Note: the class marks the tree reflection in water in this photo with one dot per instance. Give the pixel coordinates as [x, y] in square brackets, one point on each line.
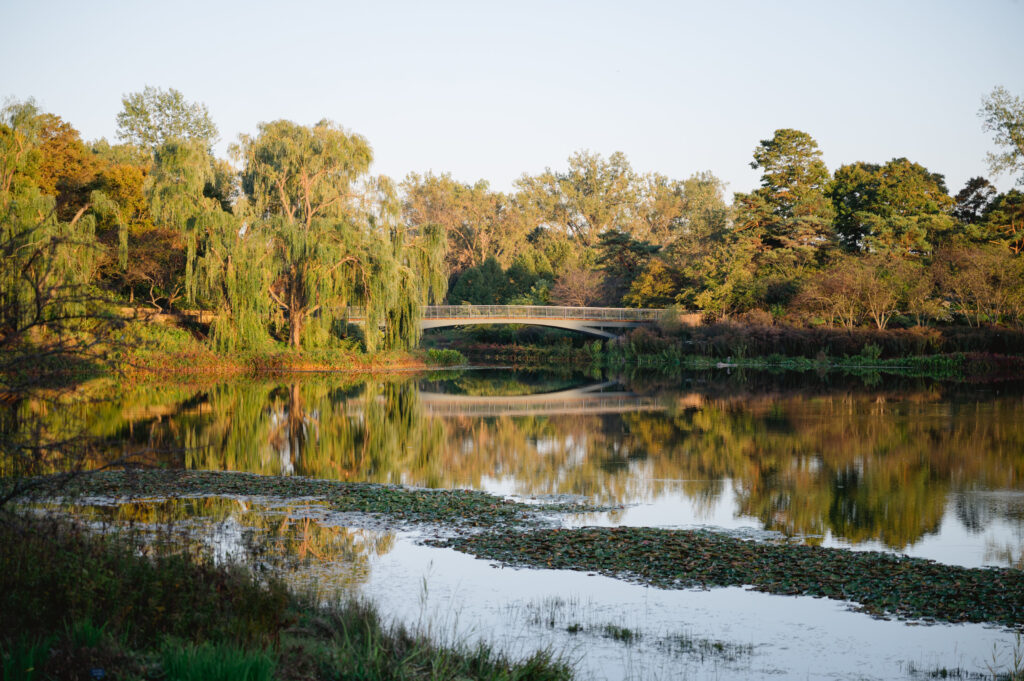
[292, 539]
[866, 465]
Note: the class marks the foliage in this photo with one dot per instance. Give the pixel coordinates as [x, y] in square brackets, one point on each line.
[485, 284]
[329, 249]
[154, 117]
[622, 258]
[1003, 115]
[899, 207]
[1005, 221]
[445, 357]
[593, 196]
[578, 288]
[790, 209]
[972, 202]
[181, 616]
[48, 308]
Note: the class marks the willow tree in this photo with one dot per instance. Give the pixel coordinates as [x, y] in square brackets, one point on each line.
[46, 264]
[332, 234]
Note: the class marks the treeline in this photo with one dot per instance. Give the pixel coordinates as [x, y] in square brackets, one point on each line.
[869, 245]
[279, 244]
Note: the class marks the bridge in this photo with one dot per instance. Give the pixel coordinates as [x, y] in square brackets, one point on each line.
[592, 320]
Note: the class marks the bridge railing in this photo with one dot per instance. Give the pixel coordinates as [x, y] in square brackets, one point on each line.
[619, 314]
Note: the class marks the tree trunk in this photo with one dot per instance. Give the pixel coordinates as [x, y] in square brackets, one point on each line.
[295, 328]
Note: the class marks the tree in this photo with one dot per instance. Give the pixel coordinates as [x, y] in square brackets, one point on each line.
[335, 243]
[593, 196]
[655, 286]
[47, 308]
[898, 207]
[480, 223]
[485, 284]
[1004, 221]
[154, 116]
[68, 170]
[972, 202]
[793, 184]
[1003, 115]
[984, 283]
[577, 287]
[622, 258]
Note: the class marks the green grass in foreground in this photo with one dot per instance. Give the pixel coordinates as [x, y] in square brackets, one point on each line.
[72, 601]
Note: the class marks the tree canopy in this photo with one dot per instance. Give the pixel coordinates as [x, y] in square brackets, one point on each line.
[155, 116]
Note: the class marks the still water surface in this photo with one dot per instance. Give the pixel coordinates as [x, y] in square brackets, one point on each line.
[917, 467]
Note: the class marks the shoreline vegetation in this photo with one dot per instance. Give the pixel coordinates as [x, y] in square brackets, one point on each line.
[881, 584]
[76, 604]
[172, 353]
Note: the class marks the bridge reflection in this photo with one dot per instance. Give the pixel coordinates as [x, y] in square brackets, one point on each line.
[597, 398]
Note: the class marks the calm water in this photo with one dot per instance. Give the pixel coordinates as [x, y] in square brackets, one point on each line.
[914, 467]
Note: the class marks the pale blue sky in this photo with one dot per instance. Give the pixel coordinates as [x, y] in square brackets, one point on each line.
[493, 90]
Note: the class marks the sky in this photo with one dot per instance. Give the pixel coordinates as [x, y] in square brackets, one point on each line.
[493, 90]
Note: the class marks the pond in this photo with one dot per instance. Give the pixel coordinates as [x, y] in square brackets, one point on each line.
[920, 468]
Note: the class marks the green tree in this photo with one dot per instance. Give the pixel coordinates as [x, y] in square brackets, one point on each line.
[1003, 115]
[480, 223]
[155, 116]
[898, 207]
[655, 286]
[593, 196]
[484, 284]
[1004, 221]
[47, 307]
[622, 258]
[335, 243]
[972, 202]
[795, 213]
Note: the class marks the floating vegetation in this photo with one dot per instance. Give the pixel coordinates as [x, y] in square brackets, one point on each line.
[881, 584]
[461, 508]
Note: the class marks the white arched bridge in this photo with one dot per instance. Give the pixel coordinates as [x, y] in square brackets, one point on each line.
[607, 322]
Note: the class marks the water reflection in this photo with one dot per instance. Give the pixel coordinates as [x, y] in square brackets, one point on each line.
[297, 540]
[887, 465]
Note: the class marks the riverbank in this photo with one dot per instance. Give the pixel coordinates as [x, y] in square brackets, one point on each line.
[975, 367]
[144, 352]
[74, 604]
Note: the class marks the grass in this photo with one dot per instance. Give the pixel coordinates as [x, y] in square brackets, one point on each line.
[213, 662]
[704, 648]
[72, 602]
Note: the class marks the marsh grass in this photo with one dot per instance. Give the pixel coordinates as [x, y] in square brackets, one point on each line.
[212, 662]
[704, 648]
[72, 601]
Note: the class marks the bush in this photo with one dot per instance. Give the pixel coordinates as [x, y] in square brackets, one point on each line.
[445, 357]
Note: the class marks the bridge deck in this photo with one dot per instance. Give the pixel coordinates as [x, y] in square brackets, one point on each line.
[525, 312]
